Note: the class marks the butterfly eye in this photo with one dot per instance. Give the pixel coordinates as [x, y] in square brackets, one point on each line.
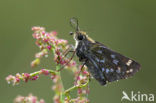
[80, 37]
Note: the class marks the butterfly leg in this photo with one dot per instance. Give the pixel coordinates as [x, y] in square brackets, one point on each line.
[68, 50]
[68, 60]
[79, 72]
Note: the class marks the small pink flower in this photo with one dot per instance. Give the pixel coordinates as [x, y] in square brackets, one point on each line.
[17, 80]
[38, 43]
[26, 77]
[49, 47]
[71, 64]
[47, 35]
[85, 73]
[41, 101]
[36, 36]
[57, 51]
[67, 100]
[45, 72]
[43, 32]
[19, 99]
[10, 79]
[34, 99]
[56, 78]
[56, 99]
[79, 91]
[35, 77]
[40, 54]
[38, 29]
[62, 62]
[53, 76]
[54, 33]
[78, 78]
[28, 99]
[61, 42]
[54, 87]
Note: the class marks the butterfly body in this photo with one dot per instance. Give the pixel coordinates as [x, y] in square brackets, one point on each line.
[104, 64]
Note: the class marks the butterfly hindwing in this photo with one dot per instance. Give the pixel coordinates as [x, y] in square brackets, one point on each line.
[111, 66]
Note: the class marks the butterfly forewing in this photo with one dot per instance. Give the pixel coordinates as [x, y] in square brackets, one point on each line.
[107, 65]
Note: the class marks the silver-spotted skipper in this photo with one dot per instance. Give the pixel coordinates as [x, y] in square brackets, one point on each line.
[104, 64]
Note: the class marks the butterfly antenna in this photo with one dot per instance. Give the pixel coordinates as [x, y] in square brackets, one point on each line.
[74, 23]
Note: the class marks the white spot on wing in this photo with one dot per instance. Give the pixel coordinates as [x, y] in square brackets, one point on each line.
[103, 69]
[111, 70]
[102, 61]
[129, 62]
[131, 70]
[118, 70]
[99, 51]
[107, 70]
[127, 71]
[97, 59]
[115, 61]
[113, 56]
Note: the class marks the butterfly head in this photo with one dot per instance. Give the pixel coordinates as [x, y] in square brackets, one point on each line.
[78, 35]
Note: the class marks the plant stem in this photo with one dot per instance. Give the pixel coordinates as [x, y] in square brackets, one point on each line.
[75, 87]
[62, 92]
[38, 72]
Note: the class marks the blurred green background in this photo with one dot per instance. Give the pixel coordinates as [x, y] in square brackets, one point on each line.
[126, 26]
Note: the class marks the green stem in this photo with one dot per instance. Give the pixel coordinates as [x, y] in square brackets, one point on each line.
[62, 93]
[38, 72]
[62, 96]
[76, 87]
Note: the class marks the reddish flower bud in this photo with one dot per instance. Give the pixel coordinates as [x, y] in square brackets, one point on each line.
[26, 77]
[54, 33]
[49, 47]
[38, 29]
[35, 77]
[44, 71]
[35, 62]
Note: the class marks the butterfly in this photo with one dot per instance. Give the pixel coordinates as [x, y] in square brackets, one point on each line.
[104, 64]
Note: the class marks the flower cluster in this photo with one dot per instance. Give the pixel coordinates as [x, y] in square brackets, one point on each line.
[80, 100]
[29, 99]
[48, 42]
[81, 84]
[26, 76]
